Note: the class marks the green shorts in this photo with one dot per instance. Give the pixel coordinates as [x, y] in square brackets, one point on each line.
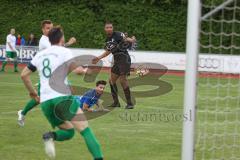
[60, 109]
[11, 54]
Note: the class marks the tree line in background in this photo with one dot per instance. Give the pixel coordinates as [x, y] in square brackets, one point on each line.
[155, 27]
[157, 24]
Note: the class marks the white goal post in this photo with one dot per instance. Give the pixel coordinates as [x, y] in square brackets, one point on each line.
[192, 49]
[218, 99]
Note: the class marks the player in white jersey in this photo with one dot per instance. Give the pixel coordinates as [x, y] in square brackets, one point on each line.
[44, 43]
[11, 53]
[61, 109]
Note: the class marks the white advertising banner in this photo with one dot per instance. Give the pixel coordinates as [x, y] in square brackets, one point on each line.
[171, 60]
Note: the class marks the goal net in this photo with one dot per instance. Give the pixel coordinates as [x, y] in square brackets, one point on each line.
[217, 133]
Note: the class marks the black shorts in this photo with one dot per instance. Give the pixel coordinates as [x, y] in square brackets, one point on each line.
[121, 69]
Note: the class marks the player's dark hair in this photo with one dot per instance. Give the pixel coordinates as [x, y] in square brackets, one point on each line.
[108, 22]
[102, 82]
[44, 22]
[55, 35]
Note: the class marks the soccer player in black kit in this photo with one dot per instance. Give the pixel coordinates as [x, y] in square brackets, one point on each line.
[117, 44]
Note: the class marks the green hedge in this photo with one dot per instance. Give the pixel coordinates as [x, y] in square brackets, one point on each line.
[157, 27]
[157, 24]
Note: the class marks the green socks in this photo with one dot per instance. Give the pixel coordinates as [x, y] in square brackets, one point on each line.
[90, 139]
[31, 104]
[62, 135]
[92, 143]
[15, 66]
[3, 65]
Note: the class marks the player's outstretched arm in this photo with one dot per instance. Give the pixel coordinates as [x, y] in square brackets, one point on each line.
[131, 40]
[25, 75]
[100, 107]
[70, 42]
[96, 59]
[86, 108]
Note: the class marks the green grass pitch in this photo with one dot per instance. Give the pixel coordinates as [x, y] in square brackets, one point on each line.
[120, 139]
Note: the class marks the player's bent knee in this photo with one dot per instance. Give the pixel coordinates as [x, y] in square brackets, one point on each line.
[83, 126]
[80, 125]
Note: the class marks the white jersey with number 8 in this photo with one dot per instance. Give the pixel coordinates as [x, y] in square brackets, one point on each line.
[46, 62]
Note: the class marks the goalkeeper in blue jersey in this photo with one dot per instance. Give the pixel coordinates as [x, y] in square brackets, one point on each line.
[91, 98]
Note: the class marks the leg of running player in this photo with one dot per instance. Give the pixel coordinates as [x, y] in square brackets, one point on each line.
[4, 63]
[125, 86]
[114, 90]
[66, 132]
[80, 123]
[10, 56]
[29, 106]
[22, 113]
[15, 62]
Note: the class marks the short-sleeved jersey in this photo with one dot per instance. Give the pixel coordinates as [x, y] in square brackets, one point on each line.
[117, 46]
[12, 40]
[90, 98]
[44, 43]
[46, 62]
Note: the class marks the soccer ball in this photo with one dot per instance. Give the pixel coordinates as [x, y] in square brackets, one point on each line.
[142, 71]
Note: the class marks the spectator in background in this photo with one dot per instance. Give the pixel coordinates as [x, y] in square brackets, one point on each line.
[18, 42]
[23, 41]
[31, 40]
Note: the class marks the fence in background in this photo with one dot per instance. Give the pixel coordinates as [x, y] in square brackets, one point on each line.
[171, 60]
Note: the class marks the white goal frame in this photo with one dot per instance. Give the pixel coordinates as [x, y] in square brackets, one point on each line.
[190, 85]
